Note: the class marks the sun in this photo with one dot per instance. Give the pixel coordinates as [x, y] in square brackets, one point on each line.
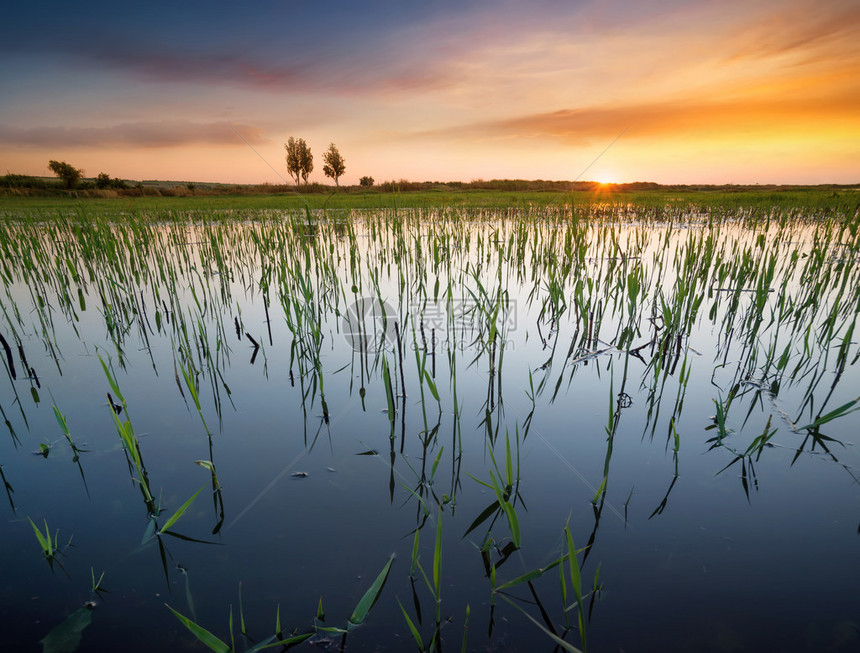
[605, 178]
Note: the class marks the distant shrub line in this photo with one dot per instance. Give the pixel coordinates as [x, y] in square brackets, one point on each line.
[103, 186]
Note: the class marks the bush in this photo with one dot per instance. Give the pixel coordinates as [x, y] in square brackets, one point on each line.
[67, 172]
[104, 181]
[25, 181]
[367, 182]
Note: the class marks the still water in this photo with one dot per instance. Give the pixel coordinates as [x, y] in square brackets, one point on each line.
[250, 414]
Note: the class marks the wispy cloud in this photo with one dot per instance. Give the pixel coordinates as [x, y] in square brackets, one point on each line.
[810, 30]
[703, 119]
[336, 73]
[168, 133]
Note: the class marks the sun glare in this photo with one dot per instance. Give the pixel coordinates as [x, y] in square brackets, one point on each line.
[605, 178]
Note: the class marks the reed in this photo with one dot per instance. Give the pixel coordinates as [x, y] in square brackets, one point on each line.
[517, 316]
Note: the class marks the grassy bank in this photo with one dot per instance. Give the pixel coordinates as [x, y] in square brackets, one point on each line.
[812, 198]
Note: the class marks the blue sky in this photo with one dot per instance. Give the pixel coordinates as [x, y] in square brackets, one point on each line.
[730, 92]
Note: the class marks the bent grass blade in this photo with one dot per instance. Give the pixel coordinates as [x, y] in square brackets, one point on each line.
[113, 383]
[844, 409]
[509, 511]
[535, 573]
[289, 641]
[389, 391]
[363, 607]
[179, 512]
[558, 640]
[219, 646]
[437, 564]
[415, 634]
[576, 583]
[202, 634]
[97, 584]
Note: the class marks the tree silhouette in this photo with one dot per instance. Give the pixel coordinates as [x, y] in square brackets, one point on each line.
[334, 166]
[66, 172]
[300, 161]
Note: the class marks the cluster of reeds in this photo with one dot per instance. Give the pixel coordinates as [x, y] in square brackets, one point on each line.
[609, 293]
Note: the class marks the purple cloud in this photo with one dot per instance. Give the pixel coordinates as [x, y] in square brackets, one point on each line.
[164, 133]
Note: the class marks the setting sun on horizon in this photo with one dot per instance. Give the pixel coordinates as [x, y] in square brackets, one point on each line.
[606, 178]
[668, 91]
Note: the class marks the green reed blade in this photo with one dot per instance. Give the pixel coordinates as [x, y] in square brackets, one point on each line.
[289, 641]
[189, 599]
[514, 523]
[201, 633]
[486, 485]
[488, 512]
[331, 629]
[509, 511]
[179, 512]
[230, 627]
[415, 634]
[599, 492]
[61, 421]
[389, 392]
[44, 542]
[509, 470]
[419, 497]
[241, 611]
[844, 409]
[112, 382]
[431, 384]
[259, 646]
[576, 582]
[531, 575]
[465, 630]
[436, 464]
[437, 559]
[414, 554]
[370, 596]
[97, 584]
[558, 640]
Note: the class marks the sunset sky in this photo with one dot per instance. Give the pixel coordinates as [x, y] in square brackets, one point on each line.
[668, 91]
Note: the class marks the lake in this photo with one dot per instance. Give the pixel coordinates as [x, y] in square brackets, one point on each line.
[603, 427]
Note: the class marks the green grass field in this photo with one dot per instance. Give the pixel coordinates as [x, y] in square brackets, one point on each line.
[803, 198]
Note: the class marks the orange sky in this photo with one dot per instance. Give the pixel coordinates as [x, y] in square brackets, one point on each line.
[670, 91]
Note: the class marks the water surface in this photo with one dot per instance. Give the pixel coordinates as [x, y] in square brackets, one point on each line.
[678, 390]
